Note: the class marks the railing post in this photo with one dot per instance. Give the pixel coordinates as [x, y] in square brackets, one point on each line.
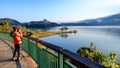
[37, 52]
[28, 46]
[0, 34]
[60, 60]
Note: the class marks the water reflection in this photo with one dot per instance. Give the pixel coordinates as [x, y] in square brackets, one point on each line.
[64, 35]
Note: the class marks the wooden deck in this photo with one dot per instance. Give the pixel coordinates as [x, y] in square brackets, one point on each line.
[6, 51]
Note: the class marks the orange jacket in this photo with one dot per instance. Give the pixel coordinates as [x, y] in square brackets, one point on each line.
[17, 37]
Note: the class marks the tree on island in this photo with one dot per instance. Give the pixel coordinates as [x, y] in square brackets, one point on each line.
[64, 29]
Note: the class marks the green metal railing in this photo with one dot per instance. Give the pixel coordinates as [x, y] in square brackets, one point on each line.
[48, 55]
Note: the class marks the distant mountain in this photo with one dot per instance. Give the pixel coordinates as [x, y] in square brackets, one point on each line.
[109, 20]
[11, 21]
[40, 24]
[33, 24]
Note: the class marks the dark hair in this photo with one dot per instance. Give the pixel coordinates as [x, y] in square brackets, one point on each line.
[14, 28]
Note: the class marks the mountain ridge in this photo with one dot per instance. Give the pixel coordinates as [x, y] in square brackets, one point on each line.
[108, 20]
[11, 21]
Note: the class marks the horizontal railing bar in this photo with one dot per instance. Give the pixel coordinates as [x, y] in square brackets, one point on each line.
[31, 38]
[81, 61]
[71, 65]
[54, 47]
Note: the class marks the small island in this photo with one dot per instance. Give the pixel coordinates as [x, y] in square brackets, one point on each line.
[41, 33]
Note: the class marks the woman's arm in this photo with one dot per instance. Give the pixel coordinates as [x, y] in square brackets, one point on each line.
[20, 33]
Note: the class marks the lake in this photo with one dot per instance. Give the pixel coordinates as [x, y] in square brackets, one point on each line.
[105, 38]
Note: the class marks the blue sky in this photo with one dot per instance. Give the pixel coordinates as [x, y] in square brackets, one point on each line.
[57, 10]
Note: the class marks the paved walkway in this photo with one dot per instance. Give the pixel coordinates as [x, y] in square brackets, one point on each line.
[6, 61]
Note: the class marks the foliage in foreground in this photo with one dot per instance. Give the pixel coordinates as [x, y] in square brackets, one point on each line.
[97, 56]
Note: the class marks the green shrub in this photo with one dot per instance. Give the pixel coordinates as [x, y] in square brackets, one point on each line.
[97, 56]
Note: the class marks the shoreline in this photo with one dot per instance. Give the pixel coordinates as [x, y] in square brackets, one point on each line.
[38, 34]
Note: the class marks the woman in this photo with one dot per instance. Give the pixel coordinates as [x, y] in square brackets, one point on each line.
[16, 35]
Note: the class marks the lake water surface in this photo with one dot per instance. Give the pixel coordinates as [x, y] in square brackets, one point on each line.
[105, 38]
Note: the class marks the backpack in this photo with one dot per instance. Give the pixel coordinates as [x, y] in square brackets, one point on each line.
[11, 33]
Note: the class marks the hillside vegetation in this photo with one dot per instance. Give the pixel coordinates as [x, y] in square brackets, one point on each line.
[6, 27]
[109, 61]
